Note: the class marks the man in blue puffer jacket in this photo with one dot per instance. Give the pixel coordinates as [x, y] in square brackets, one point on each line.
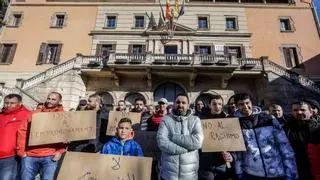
[269, 154]
[123, 143]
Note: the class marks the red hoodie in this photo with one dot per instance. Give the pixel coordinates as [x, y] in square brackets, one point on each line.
[41, 150]
[10, 121]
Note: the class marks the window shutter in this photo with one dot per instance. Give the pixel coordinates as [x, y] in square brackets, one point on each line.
[143, 49]
[1, 51]
[42, 54]
[21, 20]
[65, 20]
[196, 49]
[10, 20]
[53, 20]
[57, 55]
[12, 53]
[213, 50]
[114, 47]
[130, 48]
[226, 51]
[291, 24]
[287, 58]
[99, 50]
[243, 52]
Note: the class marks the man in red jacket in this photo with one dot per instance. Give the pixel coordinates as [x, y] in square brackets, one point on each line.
[13, 114]
[42, 158]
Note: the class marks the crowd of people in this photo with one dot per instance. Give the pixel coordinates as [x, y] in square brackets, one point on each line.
[278, 146]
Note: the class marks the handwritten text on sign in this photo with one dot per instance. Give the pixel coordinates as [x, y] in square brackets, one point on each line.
[148, 142]
[84, 166]
[222, 135]
[115, 116]
[55, 127]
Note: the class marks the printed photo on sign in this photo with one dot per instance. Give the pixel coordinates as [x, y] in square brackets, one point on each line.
[84, 166]
[222, 135]
[116, 116]
[55, 127]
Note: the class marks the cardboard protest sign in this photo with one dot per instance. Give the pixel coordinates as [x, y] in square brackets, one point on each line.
[84, 166]
[55, 127]
[222, 135]
[148, 142]
[115, 116]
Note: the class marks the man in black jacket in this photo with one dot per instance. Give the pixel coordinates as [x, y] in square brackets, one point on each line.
[212, 165]
[94, 145]
[299, 131]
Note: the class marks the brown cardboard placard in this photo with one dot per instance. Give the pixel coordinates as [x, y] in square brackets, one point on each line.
[56, 127]
[84, 166]
[115, 116]
[222, 135]
[148, 142]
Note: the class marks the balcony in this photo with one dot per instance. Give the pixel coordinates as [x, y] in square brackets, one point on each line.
[179, 60]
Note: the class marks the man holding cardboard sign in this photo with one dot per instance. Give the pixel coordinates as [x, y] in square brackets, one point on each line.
[93, 145]
[44, 157]
[215, 165]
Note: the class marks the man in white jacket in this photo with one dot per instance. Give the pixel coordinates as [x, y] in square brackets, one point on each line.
[179, 137]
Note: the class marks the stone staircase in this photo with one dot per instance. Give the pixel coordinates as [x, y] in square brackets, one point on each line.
[29, 86]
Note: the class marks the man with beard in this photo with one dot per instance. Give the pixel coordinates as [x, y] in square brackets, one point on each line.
[213, 164]
[42, 158]
[140, 107]
[268, 152]
[179, 137]
[94, 145]
[302, 130]
[13, 114]
[121, 106]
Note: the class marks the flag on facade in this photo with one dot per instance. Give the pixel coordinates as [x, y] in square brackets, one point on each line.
[168, 11]
[161, 20]
[152, 21]
[177, 6]
[162, 14]
[182, 9]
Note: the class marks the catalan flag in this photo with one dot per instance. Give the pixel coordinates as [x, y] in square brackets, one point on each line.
[168, 11]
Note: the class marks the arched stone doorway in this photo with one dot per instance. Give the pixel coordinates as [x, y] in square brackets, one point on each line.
[107, 100]
[132, 96]
[168, 90]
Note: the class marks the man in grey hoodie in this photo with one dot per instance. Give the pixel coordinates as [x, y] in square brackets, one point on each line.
[179, 137]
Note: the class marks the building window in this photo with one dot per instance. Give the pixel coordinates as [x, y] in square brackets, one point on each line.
[139, 22]
[291, 57]
[7, 52]
[231, 23]
[58, 20]
[238, 50]
[15, 20]
[204, 50]
[49, 54]
[137, 48]
[286, 25]
[111, 22]
[103, 50]
[203, 22]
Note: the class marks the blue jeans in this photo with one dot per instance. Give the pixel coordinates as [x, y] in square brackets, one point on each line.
[8, 168]
[31, 166]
